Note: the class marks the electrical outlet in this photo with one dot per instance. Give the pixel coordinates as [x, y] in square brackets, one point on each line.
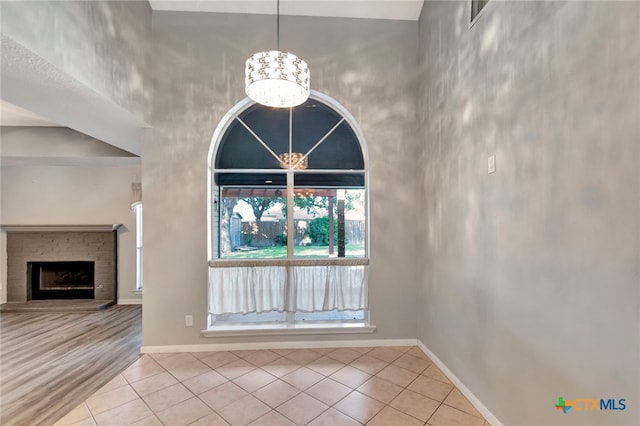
[188, 321]
[491, 164]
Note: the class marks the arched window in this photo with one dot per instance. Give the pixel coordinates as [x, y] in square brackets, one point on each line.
[287, 183]
[288, 215]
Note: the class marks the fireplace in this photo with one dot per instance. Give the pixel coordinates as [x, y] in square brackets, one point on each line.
[62, 262]
[61, 280]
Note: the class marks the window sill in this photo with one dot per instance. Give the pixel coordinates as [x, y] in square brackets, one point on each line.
[237, 263]
[287, 329]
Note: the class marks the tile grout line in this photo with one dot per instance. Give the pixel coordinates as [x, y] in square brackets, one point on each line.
[407, 388]
[189, 390]
[140, 396]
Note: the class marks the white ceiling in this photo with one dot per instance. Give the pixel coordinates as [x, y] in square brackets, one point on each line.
[372, 9]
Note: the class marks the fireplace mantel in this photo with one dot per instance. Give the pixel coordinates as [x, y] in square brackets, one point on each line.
[60, 228]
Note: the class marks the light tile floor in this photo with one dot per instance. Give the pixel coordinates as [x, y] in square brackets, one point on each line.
[384, 386]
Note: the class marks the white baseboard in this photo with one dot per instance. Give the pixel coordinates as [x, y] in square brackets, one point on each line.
[278, 345]
[129, 301]
[482, 409]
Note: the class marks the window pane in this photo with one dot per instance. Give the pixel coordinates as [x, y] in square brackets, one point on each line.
[253, 223]
[333, 180]
[271, 180]
[139, 268]
[476, 7]
[137, 208]
[340, 150]
[138, 213]
[330, 316]
[318, 224]
[313, 122]
[251, 318]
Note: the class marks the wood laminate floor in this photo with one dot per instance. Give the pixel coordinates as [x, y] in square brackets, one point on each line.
[51, 362]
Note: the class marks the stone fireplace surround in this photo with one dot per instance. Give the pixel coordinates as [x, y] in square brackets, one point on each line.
[97, 243]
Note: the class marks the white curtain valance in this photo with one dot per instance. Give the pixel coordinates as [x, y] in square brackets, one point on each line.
[287, 288]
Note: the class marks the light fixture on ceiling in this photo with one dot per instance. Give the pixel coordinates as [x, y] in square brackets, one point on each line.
[277, 79]
[294, 160]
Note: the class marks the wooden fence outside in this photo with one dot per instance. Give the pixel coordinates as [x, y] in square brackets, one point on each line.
[264, 234]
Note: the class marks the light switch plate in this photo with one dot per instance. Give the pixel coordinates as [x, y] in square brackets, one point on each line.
[491, 164]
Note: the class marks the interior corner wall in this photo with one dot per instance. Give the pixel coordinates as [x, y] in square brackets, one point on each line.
[530, 286]
[198, 67]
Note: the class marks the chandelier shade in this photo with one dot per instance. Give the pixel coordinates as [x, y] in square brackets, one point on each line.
[277, 79]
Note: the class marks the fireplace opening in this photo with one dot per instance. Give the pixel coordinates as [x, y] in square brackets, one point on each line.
[62, 280]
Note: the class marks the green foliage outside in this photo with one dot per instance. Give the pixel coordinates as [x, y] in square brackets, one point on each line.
[280, 240]
[308, 203]
[319, 231]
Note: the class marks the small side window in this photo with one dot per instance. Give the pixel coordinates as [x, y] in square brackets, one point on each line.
[137, 208]
[476, 7]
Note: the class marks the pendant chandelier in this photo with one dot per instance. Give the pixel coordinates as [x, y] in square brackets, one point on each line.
[277, 79]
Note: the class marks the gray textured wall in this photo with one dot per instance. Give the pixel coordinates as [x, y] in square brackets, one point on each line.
[102, 44]
[531, 281]
[198, 69]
